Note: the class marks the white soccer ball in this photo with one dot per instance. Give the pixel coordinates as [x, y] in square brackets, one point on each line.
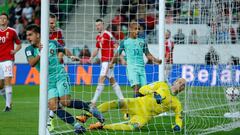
[232, 94]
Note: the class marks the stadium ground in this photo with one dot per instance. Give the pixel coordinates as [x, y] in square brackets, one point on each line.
[23, 119]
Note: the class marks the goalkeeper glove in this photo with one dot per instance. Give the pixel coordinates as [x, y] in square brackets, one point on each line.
[176, 128]
[158, 98]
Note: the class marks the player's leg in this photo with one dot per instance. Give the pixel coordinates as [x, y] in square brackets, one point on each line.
[64, 90]
[114, 84]
[119, 126]
[2, 90]
[53, 104]
[168, 68]
[77, 104]
[143, 79]
[114, 104]
[134, 79]
[102, 78]
[135, 123]
[8, 73]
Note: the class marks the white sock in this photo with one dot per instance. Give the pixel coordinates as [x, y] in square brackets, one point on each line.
[51, 114]
[98, 92]
[118, 91]
[3, 93]
[8, 95]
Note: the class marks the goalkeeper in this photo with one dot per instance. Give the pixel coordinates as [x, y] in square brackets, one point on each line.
[158, 98]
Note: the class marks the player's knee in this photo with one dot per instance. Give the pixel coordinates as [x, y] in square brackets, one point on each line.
[65, 102]
[52, 106]
[136, 126]
[120, 103]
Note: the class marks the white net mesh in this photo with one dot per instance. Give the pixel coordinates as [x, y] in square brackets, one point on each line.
[193, 26]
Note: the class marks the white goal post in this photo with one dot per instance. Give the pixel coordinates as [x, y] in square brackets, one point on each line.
[43, 95]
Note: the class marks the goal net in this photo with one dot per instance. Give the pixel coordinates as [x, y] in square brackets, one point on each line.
[205, 35]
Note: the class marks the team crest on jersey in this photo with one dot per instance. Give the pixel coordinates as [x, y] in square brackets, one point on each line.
[141, 43]
[51, 51]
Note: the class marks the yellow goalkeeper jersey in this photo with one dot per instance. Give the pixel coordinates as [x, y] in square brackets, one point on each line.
[148, 106]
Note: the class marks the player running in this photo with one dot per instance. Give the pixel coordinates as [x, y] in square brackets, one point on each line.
[58, 80]
[158, 98]
[8, 36]
[134, 49]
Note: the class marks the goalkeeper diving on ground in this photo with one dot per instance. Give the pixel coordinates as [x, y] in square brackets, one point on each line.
[158, 97]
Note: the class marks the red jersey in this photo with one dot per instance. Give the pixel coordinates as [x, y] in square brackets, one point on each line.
[106, 43]
[169, 46]
[57, 35]
[7, 39]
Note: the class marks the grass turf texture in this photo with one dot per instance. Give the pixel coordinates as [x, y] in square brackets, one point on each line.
[23, 119]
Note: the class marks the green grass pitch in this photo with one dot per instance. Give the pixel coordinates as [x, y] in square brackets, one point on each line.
[23, 119]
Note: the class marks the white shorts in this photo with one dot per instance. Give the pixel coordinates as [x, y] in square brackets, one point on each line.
[106, 71]
[6, 69]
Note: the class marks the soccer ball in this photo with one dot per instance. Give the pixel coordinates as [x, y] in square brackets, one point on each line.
[232, 94]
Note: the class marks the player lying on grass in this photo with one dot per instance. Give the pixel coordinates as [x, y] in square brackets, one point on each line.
[158, 98]
[58, 80]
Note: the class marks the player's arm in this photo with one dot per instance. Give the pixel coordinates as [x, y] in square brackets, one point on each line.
[18, 42]
[94, 54]
[117, 54]
[32, 60]
[150, 56]
[67, 53]
[19, 46]
[178, 115]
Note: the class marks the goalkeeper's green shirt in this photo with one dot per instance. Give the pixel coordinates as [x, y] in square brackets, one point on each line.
[56, 70]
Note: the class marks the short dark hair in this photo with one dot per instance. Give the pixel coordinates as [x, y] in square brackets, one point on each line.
[3, 13]
[99, 20]
[52, 16]
[33, 27]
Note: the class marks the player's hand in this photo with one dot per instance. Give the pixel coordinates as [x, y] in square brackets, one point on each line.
[176, 128]
[90, 61]
[158, 61]
[110, 65]
[158, 98]
[13, 52]
[74, 58]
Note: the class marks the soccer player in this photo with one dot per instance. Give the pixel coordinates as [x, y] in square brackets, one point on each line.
[158, 98]
[105, 43]
[56, 34]
[8, 36]
[134, 48]
[58, 85]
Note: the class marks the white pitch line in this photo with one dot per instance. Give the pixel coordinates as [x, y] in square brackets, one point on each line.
[225, 127]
